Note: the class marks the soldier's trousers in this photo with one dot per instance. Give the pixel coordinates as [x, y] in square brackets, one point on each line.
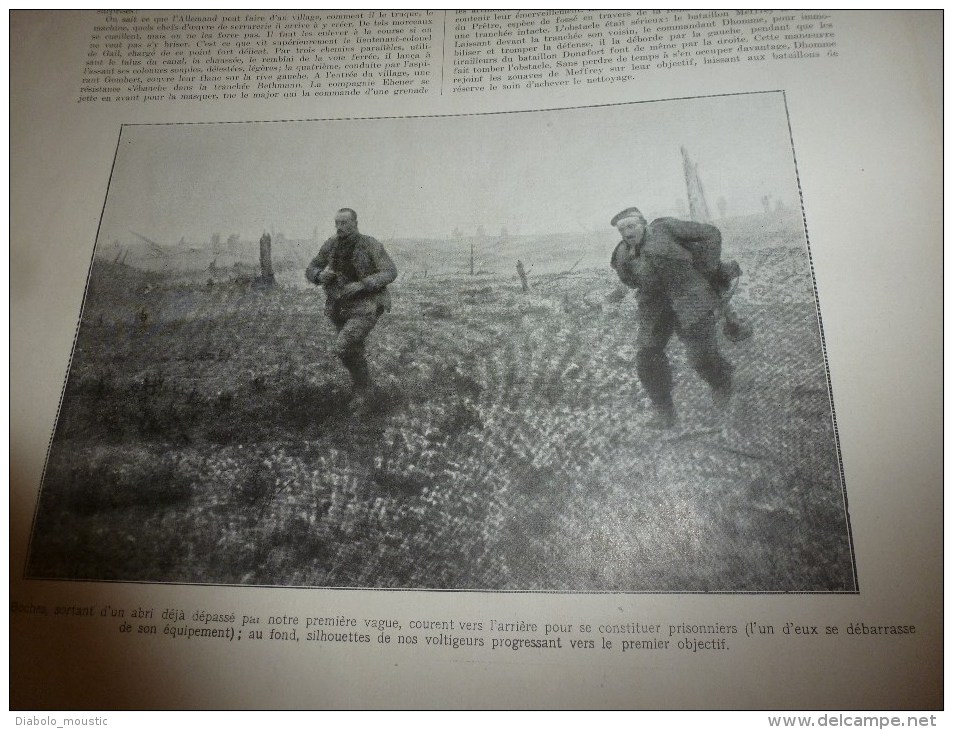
[349, 345]
[701, 345]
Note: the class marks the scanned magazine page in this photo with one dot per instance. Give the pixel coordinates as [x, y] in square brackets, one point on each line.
[476, 359]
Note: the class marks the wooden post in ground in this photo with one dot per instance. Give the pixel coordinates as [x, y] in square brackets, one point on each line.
[264, 253]
[697, 204]
[522, 274]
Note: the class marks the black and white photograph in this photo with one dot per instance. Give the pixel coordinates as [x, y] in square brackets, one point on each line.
[562, 350]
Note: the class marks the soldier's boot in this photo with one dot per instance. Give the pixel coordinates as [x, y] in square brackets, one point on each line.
[722, 387]
[663, 419]
[714, 369]
[362, 393]
[736, 329]
[721, 397]
[656, 376]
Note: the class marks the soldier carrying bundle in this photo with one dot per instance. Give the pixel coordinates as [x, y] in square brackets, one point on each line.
[683, 288]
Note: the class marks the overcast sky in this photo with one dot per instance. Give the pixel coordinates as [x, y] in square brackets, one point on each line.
[532, 172]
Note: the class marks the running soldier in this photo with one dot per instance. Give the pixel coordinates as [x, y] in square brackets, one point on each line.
[681, 284]
[354, 270]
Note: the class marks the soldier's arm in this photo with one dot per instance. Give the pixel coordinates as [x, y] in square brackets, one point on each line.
[319, 263]
[386, 271]
[621, 266]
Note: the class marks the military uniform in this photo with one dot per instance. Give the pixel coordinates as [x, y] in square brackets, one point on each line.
[677, 271]
[354, 258]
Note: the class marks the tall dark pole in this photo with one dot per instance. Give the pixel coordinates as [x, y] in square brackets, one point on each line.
[264, 252]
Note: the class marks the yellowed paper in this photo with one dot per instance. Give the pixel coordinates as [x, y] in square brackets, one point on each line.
[562, 593]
